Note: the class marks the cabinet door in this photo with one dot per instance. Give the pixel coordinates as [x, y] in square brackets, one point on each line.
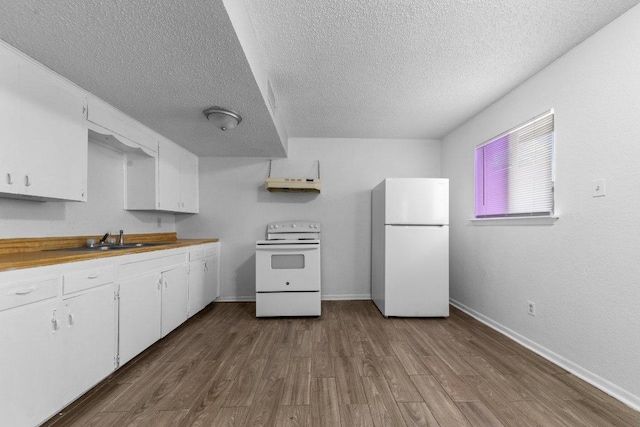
[54, 136]
[197, 292]
[30, 375]
[140, 315]
[10, 131]
[89, 340]
[212, 278]
[175, 297]
[168, 176]
[189, 182]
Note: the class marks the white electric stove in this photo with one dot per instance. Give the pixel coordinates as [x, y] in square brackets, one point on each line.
[288, 270]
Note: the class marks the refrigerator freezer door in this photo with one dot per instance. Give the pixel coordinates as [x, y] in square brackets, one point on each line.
[417, 201]
[416, 271]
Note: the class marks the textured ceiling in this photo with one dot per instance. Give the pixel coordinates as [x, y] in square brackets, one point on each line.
[160, 61]
[338, 68]
[410, 68]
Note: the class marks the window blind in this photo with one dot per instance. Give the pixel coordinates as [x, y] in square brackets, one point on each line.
[514, 171]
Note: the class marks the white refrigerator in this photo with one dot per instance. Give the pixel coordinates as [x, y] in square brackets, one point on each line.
[410, 247]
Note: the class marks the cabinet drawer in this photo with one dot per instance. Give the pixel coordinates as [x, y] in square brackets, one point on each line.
[211, 251]
[155, 264]
[22, 293]
[86, 279]
[196, 255]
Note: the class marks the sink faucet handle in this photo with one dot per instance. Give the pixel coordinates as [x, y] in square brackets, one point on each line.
[104, 238]
[121, 237]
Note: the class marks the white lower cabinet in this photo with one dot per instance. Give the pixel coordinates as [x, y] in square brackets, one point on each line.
[63, 327]
[30, 374]
[212, 273]
[175, 297]
[140, 315]
[204, 276]
[153, 298]
[89, 338]
[54, 347]
[197, 297]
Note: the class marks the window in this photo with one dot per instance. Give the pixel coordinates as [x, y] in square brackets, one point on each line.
[514, 171]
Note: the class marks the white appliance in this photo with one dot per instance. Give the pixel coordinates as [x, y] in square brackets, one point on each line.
[410, 247]
[288, 270]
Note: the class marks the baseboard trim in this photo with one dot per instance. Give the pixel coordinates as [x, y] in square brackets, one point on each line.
[350, 297]
[252, 298]
[603, 384]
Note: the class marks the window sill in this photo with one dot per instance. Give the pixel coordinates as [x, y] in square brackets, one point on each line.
[516, 220]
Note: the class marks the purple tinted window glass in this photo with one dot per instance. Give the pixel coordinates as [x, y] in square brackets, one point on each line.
[480, 181]
[492, 178]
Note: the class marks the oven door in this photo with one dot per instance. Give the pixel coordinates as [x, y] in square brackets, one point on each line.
[288, 267]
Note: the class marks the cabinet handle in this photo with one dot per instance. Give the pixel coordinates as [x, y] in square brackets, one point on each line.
[23, 291]
[93, 276]
[71, 319]
[9, 180]
[159, 283]
[166, 284]
[54, 322]
[27, 181]
[206, 267]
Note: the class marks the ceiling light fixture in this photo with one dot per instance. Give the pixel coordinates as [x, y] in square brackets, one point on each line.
[223, 118]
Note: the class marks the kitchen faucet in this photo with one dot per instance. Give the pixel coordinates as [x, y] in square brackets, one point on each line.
[121, 237]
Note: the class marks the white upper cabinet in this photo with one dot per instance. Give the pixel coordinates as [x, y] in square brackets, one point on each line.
[169, 176]
[178, 178]
[189, 184]
[43, 133]
[168, 182]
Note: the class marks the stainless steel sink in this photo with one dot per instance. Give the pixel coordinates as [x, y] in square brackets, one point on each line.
[115, 247]
[97, 248]
[140, 245]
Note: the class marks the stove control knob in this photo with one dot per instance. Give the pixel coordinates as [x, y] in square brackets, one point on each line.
[293, 226]
[275, 226]
[310, 225]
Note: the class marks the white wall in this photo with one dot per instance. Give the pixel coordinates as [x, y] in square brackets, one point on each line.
[583, 272]
[102, 212]
[235, 207]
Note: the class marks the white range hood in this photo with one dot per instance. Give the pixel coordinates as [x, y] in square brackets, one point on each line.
[292, 185]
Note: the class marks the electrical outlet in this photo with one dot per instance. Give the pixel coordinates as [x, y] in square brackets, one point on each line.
[598, 188]
[531, 308]
[159, 221]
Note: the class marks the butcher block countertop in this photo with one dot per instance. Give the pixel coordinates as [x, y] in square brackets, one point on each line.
[39, 251]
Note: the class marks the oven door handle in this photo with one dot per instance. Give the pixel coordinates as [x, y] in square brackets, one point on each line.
[297, 248]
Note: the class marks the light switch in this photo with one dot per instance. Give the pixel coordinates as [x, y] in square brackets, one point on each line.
[598, 188]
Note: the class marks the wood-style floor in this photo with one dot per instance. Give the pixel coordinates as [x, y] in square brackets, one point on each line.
[351, 367]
